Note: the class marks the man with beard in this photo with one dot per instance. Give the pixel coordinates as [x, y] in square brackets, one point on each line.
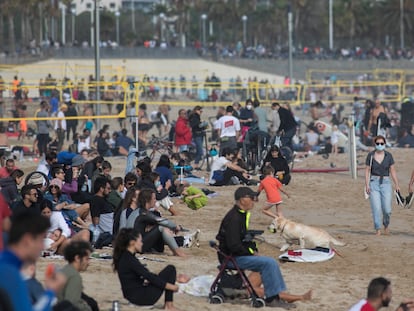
[102, 213]
[379, 295]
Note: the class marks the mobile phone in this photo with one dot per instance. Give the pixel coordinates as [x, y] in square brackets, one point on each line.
[404, 307]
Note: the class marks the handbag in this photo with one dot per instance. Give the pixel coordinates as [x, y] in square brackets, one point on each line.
[366, 194]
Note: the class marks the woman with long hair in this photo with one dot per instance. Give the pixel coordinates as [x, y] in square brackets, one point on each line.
[61, 202]
[276, 160]
[139, 285]
[379, 171]
[129, 208]
[155, 230]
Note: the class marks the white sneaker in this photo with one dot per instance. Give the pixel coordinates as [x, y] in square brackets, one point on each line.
[192, 239]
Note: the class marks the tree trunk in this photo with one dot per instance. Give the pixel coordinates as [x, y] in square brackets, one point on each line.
[24, 42]
[29, 29]
[12, 35]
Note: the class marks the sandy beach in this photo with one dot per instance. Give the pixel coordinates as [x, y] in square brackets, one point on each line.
[331, 201]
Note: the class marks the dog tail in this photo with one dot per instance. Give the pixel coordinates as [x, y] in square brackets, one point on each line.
[337, 242]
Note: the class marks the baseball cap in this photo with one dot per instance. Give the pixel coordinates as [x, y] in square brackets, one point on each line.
[243, 192]
[78, 160]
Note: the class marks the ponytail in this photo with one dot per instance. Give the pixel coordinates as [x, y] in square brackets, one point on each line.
[122, 240]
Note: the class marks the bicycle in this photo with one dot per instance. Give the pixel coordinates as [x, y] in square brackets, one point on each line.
[253, 147]
[160, 146]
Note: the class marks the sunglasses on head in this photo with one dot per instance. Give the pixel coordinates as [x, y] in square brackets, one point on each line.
[380, 144]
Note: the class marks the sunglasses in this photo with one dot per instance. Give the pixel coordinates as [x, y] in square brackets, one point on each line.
[131, 183]
[54, 186]
[380, 144]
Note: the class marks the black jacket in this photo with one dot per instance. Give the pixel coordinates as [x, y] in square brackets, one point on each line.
[232, 232]
[287, 121]
[9, 190]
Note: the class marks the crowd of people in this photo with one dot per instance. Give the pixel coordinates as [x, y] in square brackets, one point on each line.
[73, 202]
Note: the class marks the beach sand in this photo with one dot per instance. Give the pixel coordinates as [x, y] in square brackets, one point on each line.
[331, 201]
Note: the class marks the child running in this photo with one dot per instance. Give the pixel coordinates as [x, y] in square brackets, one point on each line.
[271, 186]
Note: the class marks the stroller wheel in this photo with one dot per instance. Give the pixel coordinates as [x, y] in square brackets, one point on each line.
[258, 303]
[216, 299]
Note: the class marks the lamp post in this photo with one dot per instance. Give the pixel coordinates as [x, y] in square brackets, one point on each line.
[244, 19]
[133, 16]
[97, 63]
[290, 30]
[92, 29]
[73, 10]
[330, 25]
[402, 24]
[162, 18]
[204, 18]
[117, 14]
[63, 24]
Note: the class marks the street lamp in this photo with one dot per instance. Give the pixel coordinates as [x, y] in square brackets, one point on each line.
[244, 19]
[402, 24]
[117, 14]
[63, 24]
[330, 25]
[73, 10]
[92, 28]
[290, 30]
[133, 16]
[162, 18]
[204, 18]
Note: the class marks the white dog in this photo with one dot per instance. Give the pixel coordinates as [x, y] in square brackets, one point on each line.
[308, 237]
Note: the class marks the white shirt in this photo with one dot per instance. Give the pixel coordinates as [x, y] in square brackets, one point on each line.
[334, 137]
[218, 164]
[312, 138]
[43, 167]
[58, 222]
[63, 121]
[358, 305]
[228, 125]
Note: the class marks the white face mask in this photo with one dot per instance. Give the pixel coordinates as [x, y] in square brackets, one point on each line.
[249, 107]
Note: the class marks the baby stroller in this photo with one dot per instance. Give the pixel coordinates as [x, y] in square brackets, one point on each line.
[232, 282]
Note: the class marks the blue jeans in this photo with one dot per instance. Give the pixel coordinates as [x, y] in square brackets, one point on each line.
[130, 165]
[286, 139]
[198, 140]
[182, 148]
[269, 271]
[380, 200]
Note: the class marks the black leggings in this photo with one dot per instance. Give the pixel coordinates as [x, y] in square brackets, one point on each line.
[150, 294]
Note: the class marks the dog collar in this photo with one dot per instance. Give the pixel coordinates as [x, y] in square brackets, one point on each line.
[283, 228]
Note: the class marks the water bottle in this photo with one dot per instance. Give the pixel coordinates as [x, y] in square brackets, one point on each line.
[95, 233]
[115, 305]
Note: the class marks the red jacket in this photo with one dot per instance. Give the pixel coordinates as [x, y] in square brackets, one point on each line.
[183, 134]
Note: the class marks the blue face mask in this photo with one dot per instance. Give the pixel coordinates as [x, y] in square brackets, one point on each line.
[157, 184]
[380, 147]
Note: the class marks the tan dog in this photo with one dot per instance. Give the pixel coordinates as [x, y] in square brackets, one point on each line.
[308, 237]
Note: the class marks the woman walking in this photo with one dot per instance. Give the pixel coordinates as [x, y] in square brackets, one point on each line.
[379, 168]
